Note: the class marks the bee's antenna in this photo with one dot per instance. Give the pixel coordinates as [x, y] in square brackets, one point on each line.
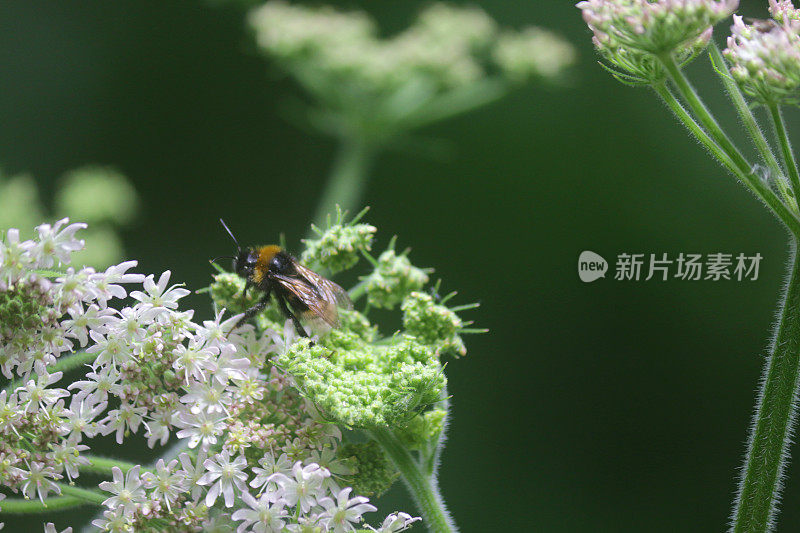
[231, 234]
[221, 257]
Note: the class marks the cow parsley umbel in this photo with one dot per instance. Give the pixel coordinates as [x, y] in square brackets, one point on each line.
[274, 432]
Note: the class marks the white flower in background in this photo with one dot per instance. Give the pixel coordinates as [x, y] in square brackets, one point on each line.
[765, 57]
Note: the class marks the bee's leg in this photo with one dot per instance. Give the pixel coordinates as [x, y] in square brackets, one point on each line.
[253, 311]
[285, 308]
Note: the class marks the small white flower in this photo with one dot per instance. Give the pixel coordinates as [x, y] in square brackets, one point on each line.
[195, 361]
[193, 471]
[114, 521]
[84, 320]
[39, 480]
[157, 297]
[339, 516]
[206, 396]
[67, 454]
[304, 487]
[269, 467]
[100, 382]
[396, 522]
[128, 416]
[227, 474]
[201, 428]
[55, 244]
[79, 418]
[166, 482]
[264, 515]
[51, 528]
[36, 395]
[106, 285]
[128, 490]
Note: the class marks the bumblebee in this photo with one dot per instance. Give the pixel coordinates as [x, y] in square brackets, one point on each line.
[302, 295]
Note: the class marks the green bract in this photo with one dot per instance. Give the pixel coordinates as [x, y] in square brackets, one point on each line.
[374, 473]
[393, 279]
[339, 246]
[432, 324]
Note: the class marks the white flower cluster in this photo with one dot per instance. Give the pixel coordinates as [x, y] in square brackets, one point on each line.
[286, 497]
[342, 60]
[165, 375]
[765, 55]
[631, 34]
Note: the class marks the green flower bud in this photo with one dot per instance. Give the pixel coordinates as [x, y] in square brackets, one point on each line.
[393, 279]
[339, 246]
[423, 429]
[432, 324]
[374, 473]
[357, 384]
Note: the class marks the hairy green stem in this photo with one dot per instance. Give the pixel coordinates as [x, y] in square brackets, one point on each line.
[62, 364]
[746, 115]
[54, 503]
[702, 113]
[348, 179]
[89, 496]
[786, 147]
[775, 416]
[104, 465]
[423, 487]
[711, 130]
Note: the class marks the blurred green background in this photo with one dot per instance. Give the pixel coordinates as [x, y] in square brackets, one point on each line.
[608, 406]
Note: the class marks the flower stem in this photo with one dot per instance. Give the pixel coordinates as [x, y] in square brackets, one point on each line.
[88, 496]
[347, 180]
[746, 115]
[423, 488]
[714, 139]
[701, 111]
[55, 503]
[776, 414]
[786, 148]
[103, 465]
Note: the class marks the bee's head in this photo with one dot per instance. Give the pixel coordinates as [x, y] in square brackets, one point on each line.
[245, 262]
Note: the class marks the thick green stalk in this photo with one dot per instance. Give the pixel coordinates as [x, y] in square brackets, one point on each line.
[54, 503]
[423, 487]
[347, 181]
[745, 113]
[786, 148]
[89, 496]
[776, 414]
[104, 465]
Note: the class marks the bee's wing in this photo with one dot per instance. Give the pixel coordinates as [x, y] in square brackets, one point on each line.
[330, 291]
[320, 298]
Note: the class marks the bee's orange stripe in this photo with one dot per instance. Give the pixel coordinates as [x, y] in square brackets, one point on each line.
[265, 255]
